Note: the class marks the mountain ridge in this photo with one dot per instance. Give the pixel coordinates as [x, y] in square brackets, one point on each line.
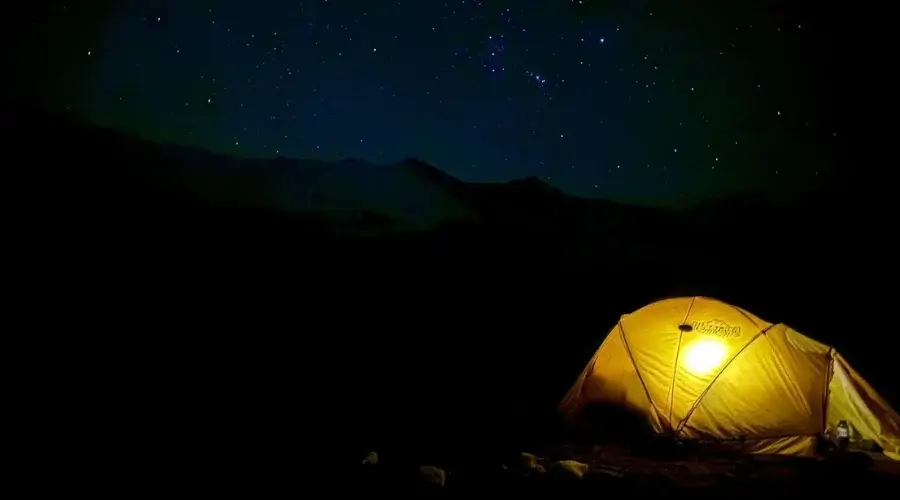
[175, 215]
[412, 193]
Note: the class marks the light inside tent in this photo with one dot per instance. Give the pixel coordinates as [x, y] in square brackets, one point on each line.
[704, 355]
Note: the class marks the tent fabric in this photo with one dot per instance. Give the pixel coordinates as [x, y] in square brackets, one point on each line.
[696, 367]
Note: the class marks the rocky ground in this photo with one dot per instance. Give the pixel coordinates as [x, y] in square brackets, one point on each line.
[595, 471]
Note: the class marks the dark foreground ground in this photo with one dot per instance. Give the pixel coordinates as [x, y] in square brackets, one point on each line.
[244, 351]
[616, 471]
[609, 470]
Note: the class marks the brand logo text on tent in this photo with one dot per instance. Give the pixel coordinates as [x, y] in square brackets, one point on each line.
[716, 328]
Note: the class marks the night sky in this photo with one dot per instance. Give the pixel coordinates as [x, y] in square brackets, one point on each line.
[631, 100]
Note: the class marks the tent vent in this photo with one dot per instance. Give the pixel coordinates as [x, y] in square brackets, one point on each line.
[685, 328]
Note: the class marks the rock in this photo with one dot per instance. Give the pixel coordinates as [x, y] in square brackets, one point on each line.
[569, 468]
[371, 459]
[432, 476]
[525, 466]
[529, 461]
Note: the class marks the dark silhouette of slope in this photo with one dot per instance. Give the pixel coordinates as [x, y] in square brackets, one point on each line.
[242, 314]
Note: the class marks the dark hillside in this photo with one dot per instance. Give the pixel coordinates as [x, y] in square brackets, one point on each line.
[259, 318]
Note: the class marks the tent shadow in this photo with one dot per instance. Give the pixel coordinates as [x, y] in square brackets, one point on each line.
[613, 424]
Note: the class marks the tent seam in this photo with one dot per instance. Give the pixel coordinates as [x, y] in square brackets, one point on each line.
[715, 379]
[749, 316]
[587, 372]
[637, 371]
[829, 373]
[670, 398]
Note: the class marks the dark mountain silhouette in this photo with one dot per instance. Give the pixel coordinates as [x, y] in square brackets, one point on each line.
[105, 180]
[391, 300]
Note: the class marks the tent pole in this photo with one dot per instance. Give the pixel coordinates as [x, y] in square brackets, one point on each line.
[829, 373]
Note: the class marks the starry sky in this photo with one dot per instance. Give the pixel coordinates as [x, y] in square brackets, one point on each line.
[634, 100]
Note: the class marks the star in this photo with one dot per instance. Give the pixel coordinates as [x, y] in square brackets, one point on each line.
[515, 92]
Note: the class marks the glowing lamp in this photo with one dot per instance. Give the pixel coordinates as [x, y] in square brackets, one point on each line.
[704, 355]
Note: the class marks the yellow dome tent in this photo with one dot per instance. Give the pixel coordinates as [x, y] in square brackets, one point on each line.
[699, 368]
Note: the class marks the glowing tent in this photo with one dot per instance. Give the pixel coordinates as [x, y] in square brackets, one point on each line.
[699, 368]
